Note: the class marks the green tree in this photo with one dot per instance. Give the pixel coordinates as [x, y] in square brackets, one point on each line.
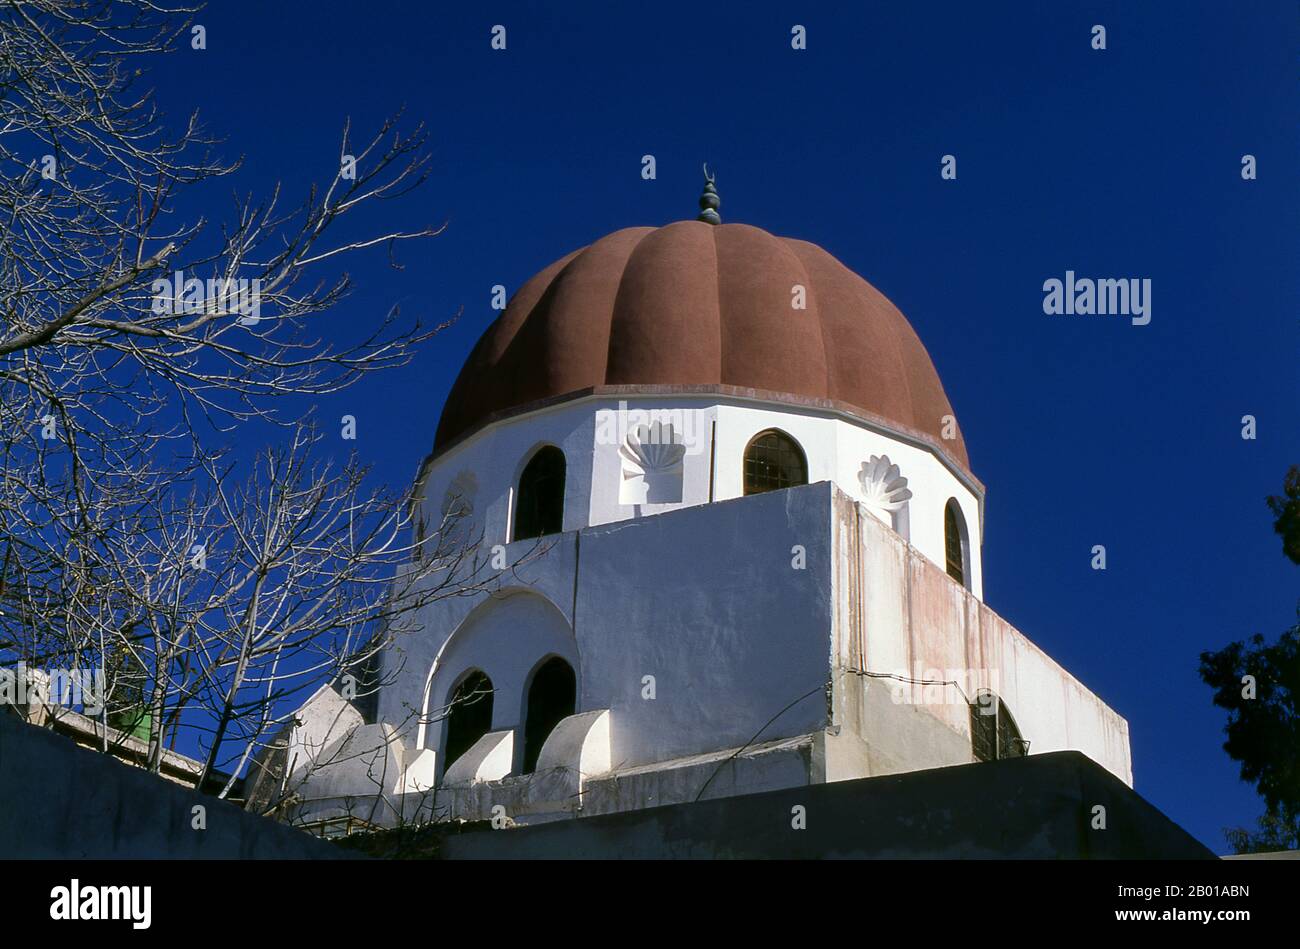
[1259, 686]
[1286, 511]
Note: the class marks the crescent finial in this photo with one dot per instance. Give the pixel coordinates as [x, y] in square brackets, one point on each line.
[709, 200]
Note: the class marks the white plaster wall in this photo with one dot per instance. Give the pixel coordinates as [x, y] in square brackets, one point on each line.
[917, 622]
[323, 720]
[835, 450]
[743, 612]
[709, 602]
[590, 432]
[540, 568]
[932, 485]
[706, 600]
[494, 460]
[692, 421]
[507, 636]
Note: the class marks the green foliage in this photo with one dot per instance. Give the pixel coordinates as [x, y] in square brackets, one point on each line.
[1259, 685]
[1274, 834]
[1263, 731]
[1286, 511]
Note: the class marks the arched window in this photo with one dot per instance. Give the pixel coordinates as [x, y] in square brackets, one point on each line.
[956, 543]
[773, 460]
[539, 509]
[470, 716]
[552, 696]
[993, 732]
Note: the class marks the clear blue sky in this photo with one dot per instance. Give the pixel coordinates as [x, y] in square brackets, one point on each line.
[1117, 163]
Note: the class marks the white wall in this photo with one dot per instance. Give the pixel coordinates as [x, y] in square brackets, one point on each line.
[744, 612]
[590, 432]
[506, 636]
[705, 600]
[900, 615]
[713, 604]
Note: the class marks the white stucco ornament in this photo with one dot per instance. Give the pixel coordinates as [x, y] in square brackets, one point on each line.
[651, 459]
[459, 499]
[884, 489]
[651, 450]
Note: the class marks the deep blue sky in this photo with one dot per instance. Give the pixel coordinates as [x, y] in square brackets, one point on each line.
[1117, 163]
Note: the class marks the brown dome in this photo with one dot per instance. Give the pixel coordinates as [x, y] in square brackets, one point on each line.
[702, 307]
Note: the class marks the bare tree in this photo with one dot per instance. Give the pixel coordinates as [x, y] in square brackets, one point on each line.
[134, 337]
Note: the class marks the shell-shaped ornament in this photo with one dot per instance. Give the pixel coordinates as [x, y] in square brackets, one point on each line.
[651, 449]
[884, 489]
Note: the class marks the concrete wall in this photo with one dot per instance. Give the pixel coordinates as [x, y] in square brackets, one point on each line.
[58, 801]
[1041, 807]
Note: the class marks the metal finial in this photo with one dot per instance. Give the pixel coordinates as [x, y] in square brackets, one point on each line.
[709, 200]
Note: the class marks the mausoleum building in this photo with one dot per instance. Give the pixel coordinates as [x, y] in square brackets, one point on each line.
[733, 543]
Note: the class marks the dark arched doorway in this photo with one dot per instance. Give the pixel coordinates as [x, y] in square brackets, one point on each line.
[469, 717]
[552, 696]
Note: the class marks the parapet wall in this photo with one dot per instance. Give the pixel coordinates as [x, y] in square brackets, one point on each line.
[899, 616]
[1036, 808]
[58, 801]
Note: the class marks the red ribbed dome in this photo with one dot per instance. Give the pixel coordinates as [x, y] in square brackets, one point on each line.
[698, 305]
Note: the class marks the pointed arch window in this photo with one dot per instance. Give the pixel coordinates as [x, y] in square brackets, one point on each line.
[994, 734]
[552, 697]
[469, 717]
[773, 460]
[956, 543]
[539, 508]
